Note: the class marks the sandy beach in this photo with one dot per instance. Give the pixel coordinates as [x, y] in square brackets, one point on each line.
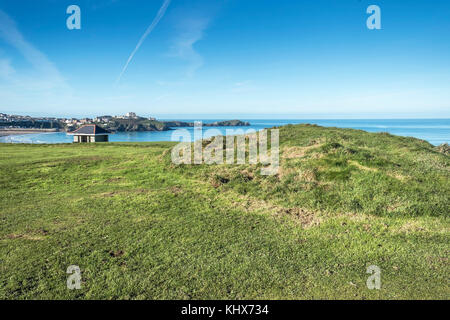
[18, 131]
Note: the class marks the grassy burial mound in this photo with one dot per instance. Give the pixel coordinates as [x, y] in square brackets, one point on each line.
[140, 227]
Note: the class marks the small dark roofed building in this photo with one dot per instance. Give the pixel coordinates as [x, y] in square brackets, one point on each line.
[90, 133]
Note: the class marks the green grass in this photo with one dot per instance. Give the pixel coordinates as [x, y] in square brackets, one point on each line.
[140, 227]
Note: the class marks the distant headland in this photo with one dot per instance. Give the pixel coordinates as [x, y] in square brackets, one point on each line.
[130, 122]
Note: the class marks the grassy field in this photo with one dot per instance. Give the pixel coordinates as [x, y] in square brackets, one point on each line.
[140, 227]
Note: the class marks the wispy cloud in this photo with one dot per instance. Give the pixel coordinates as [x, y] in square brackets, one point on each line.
[243, 87]
[161, 97]
[41, 85]
[96, 4]
[6, 69]
[11, 35]
[152, 26]
[192, 31]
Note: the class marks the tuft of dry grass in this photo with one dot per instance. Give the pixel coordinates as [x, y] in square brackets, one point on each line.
[301, 216]
[299, 152]
[361, 167]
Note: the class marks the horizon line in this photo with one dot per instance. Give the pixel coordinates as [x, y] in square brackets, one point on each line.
[251, 116]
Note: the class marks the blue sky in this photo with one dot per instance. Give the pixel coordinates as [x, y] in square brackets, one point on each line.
[229, 57]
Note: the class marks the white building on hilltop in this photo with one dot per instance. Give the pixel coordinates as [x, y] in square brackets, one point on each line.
[131, 115]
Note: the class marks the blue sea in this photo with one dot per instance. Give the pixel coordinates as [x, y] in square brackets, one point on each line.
[435, 131]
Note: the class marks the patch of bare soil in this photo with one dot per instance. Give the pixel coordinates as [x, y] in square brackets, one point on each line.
[444, 148]
[24, 236]
[116, 254]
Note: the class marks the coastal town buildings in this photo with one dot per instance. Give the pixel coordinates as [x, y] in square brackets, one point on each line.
[67, 124]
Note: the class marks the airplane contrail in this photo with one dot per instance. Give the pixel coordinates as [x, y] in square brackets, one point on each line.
[158, 17]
